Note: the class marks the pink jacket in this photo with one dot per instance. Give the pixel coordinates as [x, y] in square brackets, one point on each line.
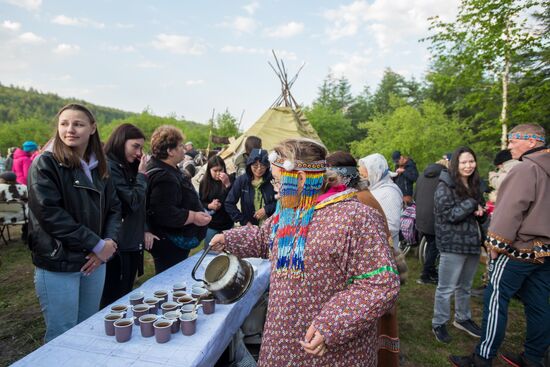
[21, 164]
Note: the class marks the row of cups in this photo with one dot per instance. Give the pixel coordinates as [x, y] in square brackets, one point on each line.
[176, 314]
[151, 325]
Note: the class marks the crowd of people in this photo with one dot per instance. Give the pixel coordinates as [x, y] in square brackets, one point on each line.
[329, 224]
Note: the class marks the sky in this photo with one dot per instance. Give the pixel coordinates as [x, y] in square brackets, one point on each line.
[188, 58]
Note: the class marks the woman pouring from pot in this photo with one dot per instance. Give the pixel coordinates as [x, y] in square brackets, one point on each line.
[333, 274]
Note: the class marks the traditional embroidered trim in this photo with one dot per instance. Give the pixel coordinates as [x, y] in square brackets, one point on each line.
[537, 253]
[526, 137]
[388, 343]
[297, 165]
[336, 198]
[370, 274]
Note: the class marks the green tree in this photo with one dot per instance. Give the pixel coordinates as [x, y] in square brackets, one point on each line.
[334, 129]
[335, 94]
[425, 133]
[14, 134]
[391, 85]
[490, 33]
[226, 124]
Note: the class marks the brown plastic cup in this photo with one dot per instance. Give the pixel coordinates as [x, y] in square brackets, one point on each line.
[208, 306]
[163, 330]
[178, 294]
[123, 329]
[109, 320]
[123, 309]
[198, 292]
[188, 322]
[140, 310]
[185, 300]
[188, 308]
[146, 325]
[154, 302]
[169, 306]
[173, 316]
[181, 286]
[162, 294]
[136, 298]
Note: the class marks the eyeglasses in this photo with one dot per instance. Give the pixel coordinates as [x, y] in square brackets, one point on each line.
[257, 165]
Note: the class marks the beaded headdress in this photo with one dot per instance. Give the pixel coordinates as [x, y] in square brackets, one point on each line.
[523, 136]
[294, 210]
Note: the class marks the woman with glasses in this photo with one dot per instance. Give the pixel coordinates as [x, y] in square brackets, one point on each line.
[254, 190]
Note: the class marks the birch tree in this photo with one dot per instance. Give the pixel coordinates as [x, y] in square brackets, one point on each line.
[489, 33]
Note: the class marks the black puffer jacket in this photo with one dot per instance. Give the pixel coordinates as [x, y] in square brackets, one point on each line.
[68, 215]
[170, 197]
[406, 180]
[131, 191]
[456, 227]
[424, 198]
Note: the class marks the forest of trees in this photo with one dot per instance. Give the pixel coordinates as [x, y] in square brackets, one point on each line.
[476, 86]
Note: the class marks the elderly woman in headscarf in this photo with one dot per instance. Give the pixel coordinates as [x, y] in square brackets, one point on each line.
[342, 172]
[375, 169]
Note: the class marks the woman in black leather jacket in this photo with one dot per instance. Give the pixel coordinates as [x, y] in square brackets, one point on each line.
[174, 211]
[74, 215]
[124, 150]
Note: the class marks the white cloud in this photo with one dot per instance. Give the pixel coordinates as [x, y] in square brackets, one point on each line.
[148, 65]
[12, 26]
[387, 21]
[354, 67]
[241, 24]
[29, 37]
[76, 22]
[286, 30]
[252, 7]
[66, 49]
[283, 54]
[194, 82]
[116, 48]
[178, 44]
[31, 5]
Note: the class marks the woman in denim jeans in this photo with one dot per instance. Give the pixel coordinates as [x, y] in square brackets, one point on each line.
[458, 207]
[74, 215]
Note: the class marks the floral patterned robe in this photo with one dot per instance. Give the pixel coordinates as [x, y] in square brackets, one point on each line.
[346, 239]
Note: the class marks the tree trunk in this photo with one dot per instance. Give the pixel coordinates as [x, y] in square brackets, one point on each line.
[504, 112]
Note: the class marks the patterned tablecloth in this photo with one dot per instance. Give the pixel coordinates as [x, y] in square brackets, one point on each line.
[87, 345]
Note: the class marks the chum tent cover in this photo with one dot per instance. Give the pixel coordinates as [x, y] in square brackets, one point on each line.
[283, 120]
[276, 124]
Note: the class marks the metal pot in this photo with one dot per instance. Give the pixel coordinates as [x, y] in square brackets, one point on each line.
[227, 277]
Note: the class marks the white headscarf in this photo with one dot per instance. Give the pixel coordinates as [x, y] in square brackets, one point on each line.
[378, 170]
[385, 191]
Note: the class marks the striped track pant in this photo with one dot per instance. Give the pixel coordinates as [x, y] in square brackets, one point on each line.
[532, 283]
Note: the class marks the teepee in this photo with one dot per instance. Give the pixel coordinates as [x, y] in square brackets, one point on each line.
[283, 120]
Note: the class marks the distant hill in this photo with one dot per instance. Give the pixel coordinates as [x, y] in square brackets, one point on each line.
[20, 103]
[26, 114]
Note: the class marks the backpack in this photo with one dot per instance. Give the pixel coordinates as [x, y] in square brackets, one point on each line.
[407, 226]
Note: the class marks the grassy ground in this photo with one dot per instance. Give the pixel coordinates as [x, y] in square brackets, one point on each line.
[22, 325]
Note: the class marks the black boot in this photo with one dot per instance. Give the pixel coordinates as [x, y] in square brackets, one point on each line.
[472, 360]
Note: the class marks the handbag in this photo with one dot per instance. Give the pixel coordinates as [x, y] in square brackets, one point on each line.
[183, 242]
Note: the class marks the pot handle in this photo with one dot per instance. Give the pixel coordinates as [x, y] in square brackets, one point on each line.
[204, 252]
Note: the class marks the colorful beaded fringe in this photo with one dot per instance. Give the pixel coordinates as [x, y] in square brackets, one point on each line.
[292, 218]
